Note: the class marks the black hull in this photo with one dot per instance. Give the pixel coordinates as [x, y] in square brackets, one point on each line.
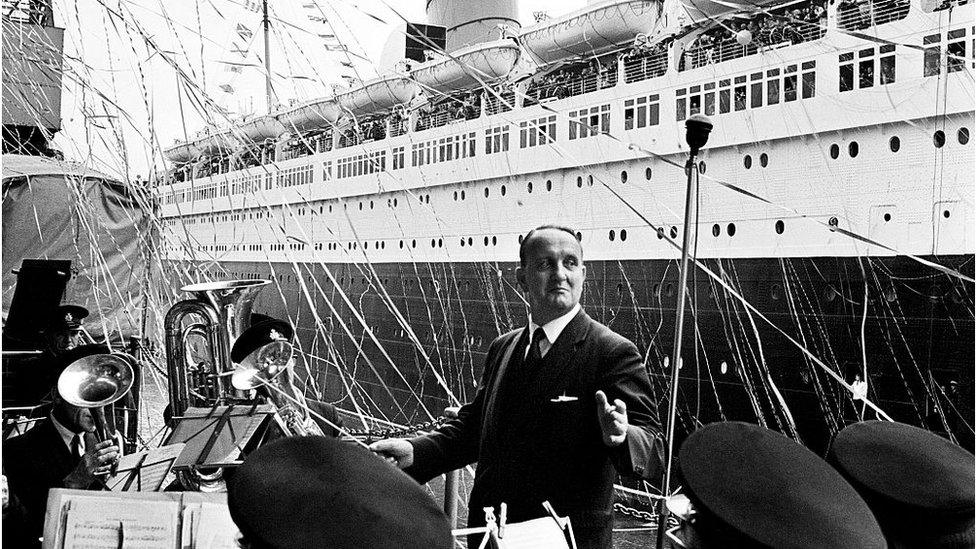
[918, 330]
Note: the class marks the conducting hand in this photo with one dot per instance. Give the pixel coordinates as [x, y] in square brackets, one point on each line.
[612, 418]
[398, 451]
[97, 461]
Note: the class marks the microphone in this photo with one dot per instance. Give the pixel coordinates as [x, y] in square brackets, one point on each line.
[697, 128]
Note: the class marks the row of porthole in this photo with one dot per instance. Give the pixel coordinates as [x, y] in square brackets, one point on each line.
[763, 160]
[894, 143]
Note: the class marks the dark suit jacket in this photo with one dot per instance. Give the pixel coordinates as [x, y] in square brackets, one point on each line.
[530, 448]
[35, 462]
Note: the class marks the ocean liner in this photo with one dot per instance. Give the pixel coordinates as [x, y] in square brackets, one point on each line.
[835, 228]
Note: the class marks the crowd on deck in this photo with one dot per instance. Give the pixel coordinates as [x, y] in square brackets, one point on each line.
[861, 14]
[463, 106]
[575, 79]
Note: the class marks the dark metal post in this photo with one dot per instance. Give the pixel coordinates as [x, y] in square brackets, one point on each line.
[698, 127]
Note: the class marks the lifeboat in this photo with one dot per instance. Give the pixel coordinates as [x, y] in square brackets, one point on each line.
[313, 115]
[378, 95]
[592, 30]
[263, 127]
[181, 153]
[217, 143]
[468, 67]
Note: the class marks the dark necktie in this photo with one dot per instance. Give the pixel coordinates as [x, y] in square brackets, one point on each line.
[535, 350]
[76, 446]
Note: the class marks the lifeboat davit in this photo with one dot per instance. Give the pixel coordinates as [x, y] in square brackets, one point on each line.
[469, 67]
[317, 114]
[378, 95]
[592, 30]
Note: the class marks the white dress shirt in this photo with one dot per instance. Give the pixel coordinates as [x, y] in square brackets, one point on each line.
[552, 330]
[67, 435]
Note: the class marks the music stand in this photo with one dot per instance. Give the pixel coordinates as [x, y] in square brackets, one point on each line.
[218, 436]
[145, 471]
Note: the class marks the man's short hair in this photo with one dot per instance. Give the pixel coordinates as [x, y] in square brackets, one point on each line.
[523, 245]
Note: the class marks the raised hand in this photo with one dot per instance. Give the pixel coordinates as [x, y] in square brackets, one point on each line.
[96, 461]
[397, 451]
[612, 418]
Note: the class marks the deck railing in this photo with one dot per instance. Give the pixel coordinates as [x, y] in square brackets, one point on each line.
[639, 67]
[578, 84]
[726, 50]
[862, 14]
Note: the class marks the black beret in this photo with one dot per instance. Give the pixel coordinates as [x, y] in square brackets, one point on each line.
[258, 335]
[67, 316]
[313, 492]
[919, 485]
[753, 487]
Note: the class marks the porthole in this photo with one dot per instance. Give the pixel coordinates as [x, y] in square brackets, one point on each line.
[494, 241]
[589, 180]
[776, 292]
[763, 160]
[945, 214]
[462, 242]
[401, 244]
[440, 242]
[660, 233]
[833, 222]
[894, 143]
[503, 190]
[360, 206]
[716, 230]
[731, 229]
[674, 232]
[963, 136]
[780, 227]
[647, 173]
[486, 192]
[579, 236]
[623, 234]
[747, 161]
[433, 242]
[612, 235]
[623, 176]
[462, 195]
[701, 166]
[852, 149]
[548, 185]
[413, 243]
[834, 151]
[486, 241]
[723, 367]
[529, 187]
[887, 217]
[470, 241]
[455, 196]
[579, 181]
[938, 139]
[890, 294]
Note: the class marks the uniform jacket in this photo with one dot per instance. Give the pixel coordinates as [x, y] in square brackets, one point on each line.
[35, 462]
[535, 435]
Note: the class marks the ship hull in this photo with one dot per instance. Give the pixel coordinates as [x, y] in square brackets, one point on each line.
[913, 337]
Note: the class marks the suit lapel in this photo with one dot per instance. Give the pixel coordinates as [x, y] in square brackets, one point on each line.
[563, 358]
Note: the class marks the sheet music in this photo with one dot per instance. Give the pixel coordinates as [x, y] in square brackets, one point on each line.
[540, 533]
[209, 526]
[153, 465]
[100, 523]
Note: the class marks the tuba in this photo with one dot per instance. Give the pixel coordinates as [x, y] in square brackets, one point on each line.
[96, 381]
[199, 336]
[269, 367]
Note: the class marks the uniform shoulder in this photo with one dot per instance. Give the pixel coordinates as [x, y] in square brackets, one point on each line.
[607, 337]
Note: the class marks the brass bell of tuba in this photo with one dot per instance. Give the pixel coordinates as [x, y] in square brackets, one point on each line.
[269, 367]
[199, 335]
[96, 381]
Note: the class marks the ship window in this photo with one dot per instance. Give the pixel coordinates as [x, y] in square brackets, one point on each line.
[529, 187]
[963, 135]
[623, 234]
[866, 73]
[589, 122]
[716, 230]
[757, 94]
[710, 103]
[772, 91]
[930, 59]
[956, 51]
[647, 173]
[809, 83]
[674, 232]
[846, 80]
[789, 87]
[694, 104]
[486, 192]
[731, 229]
[641, 112]
[780, 227]
[679, 108]
[613, 235]
[938, 139]
[763, 160]
[886, 68]
[747, 161]
[894, 144]
[724, 101]
[548, 185]
[623, 176]
[740, 98]
[852, 149]
[579, 181]
[834, 151]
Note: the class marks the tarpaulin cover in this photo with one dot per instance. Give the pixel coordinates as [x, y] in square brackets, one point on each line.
[61, 210]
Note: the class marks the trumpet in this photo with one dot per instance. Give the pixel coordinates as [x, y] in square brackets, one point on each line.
[96, 381]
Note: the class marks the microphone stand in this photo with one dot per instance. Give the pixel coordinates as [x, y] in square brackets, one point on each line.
[697, 128]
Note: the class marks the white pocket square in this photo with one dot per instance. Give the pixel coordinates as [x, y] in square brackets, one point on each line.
[564, 398]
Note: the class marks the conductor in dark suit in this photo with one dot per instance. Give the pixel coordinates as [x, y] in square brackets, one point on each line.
[563, 404]
[59, 452]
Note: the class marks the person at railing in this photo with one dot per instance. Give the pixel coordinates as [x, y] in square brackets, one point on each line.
[564, 405]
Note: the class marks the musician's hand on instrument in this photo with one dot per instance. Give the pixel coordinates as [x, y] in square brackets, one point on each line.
[97, 460]
[397, 451]
[613, 419]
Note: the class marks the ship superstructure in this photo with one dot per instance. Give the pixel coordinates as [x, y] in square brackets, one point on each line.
[835, 223]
